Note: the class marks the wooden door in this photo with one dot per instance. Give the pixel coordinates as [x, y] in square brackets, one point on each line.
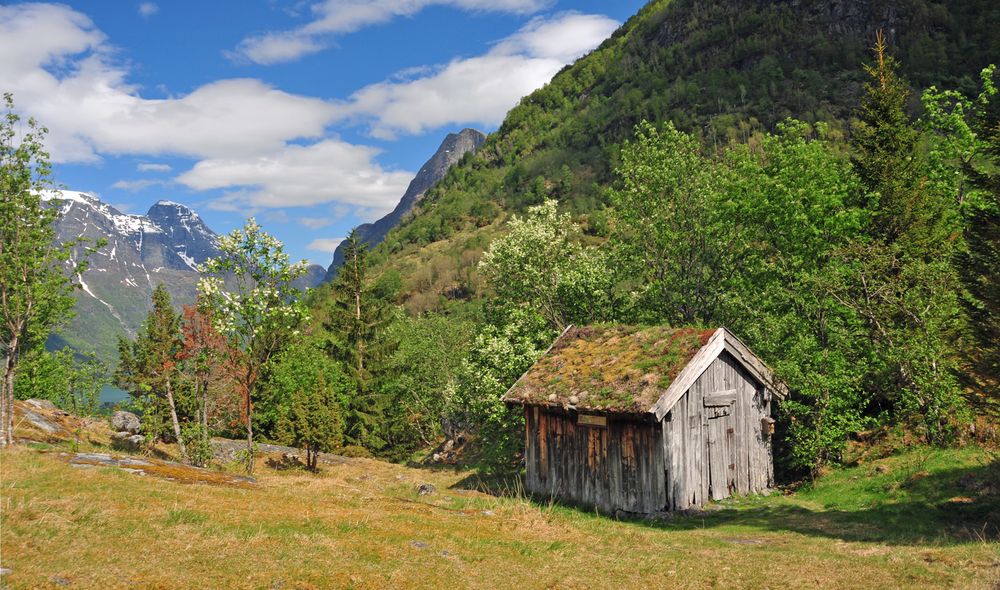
[722, 447]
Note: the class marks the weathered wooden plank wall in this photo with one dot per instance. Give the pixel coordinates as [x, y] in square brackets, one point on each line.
[711, 449]
[618, 467]
[712, 444]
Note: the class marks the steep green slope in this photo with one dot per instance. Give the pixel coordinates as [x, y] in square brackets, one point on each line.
[722, 69]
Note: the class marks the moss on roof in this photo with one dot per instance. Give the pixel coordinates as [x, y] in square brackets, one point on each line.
[622, 369]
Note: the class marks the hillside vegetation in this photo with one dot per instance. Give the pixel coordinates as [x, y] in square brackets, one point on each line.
[818, 177]
[721, 70]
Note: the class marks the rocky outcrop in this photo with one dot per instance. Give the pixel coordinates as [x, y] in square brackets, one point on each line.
[452, 149]
[40, 420]
[126, 422]
[126, 437]
[41, 404]
[168, 470]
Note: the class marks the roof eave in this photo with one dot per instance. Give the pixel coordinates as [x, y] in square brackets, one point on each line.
[721, 340]
[690, 373]
[506, 397]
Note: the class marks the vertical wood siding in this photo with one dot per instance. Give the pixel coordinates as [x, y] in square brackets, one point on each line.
[619, 467]
[711, 445]
[713, 451]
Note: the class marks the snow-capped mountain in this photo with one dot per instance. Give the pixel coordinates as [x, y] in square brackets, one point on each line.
[169, 236]
[163, 246]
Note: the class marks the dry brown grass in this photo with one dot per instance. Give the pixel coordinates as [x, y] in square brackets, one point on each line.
[362, 525]
[70, 429]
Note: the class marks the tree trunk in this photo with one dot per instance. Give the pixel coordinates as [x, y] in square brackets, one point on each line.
[7, 394]
[204, 405]
[206, 437]
[361, 342]
[312, 454]
[177, 424]
[249, 434]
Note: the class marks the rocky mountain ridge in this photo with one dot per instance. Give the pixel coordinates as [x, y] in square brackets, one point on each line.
[451, 151]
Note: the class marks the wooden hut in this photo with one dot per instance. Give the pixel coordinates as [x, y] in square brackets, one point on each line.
[647, 419]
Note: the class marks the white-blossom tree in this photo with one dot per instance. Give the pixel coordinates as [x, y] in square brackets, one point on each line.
[544, 278]
[255, 304]
[542, 264]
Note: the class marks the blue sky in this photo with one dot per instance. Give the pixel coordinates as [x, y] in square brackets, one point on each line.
[312, 115]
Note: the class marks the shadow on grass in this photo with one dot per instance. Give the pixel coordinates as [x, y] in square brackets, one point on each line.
[949, 506]
[907, 523]
[509, 485]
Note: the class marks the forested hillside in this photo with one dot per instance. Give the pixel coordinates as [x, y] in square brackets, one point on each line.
[721, 70]
[803, 173]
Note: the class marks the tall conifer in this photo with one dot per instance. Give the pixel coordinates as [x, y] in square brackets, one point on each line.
[356, 318]
[980, 265]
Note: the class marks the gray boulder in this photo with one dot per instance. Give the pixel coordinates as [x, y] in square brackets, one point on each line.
[125, 422]
[40, 404]
[40, 422]
[123, 441]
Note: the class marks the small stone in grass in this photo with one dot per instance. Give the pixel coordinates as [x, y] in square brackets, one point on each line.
[418, 544]
[487, 513]
[4, 571]
[60, 581]
[426, 489]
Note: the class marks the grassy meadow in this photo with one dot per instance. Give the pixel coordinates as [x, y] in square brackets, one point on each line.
[913, 520]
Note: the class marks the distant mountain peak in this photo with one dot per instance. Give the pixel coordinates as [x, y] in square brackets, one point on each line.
[452, 149]
[165, 246]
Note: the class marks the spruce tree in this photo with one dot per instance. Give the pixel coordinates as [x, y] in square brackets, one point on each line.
[357, 317]
[901, 280]
[980, 264]
[148, 367]
[315, 385]
[887, 160]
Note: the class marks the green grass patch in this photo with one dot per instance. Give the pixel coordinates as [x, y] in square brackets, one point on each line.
[180, 516]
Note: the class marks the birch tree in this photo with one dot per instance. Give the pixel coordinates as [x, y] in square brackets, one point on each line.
[35, 293]
[258, 308]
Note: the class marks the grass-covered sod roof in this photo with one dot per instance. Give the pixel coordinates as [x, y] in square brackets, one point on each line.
[622, 369]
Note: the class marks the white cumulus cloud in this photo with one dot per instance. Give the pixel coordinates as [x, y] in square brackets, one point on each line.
[316, 222]
[479, 89]
[327, 245]
[60, 68]
[150, 167]
[148, 9]
[134, 186]
[332, 17]
[301, 175]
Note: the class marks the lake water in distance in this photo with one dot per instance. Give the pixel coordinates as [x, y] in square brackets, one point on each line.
[112, 395]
